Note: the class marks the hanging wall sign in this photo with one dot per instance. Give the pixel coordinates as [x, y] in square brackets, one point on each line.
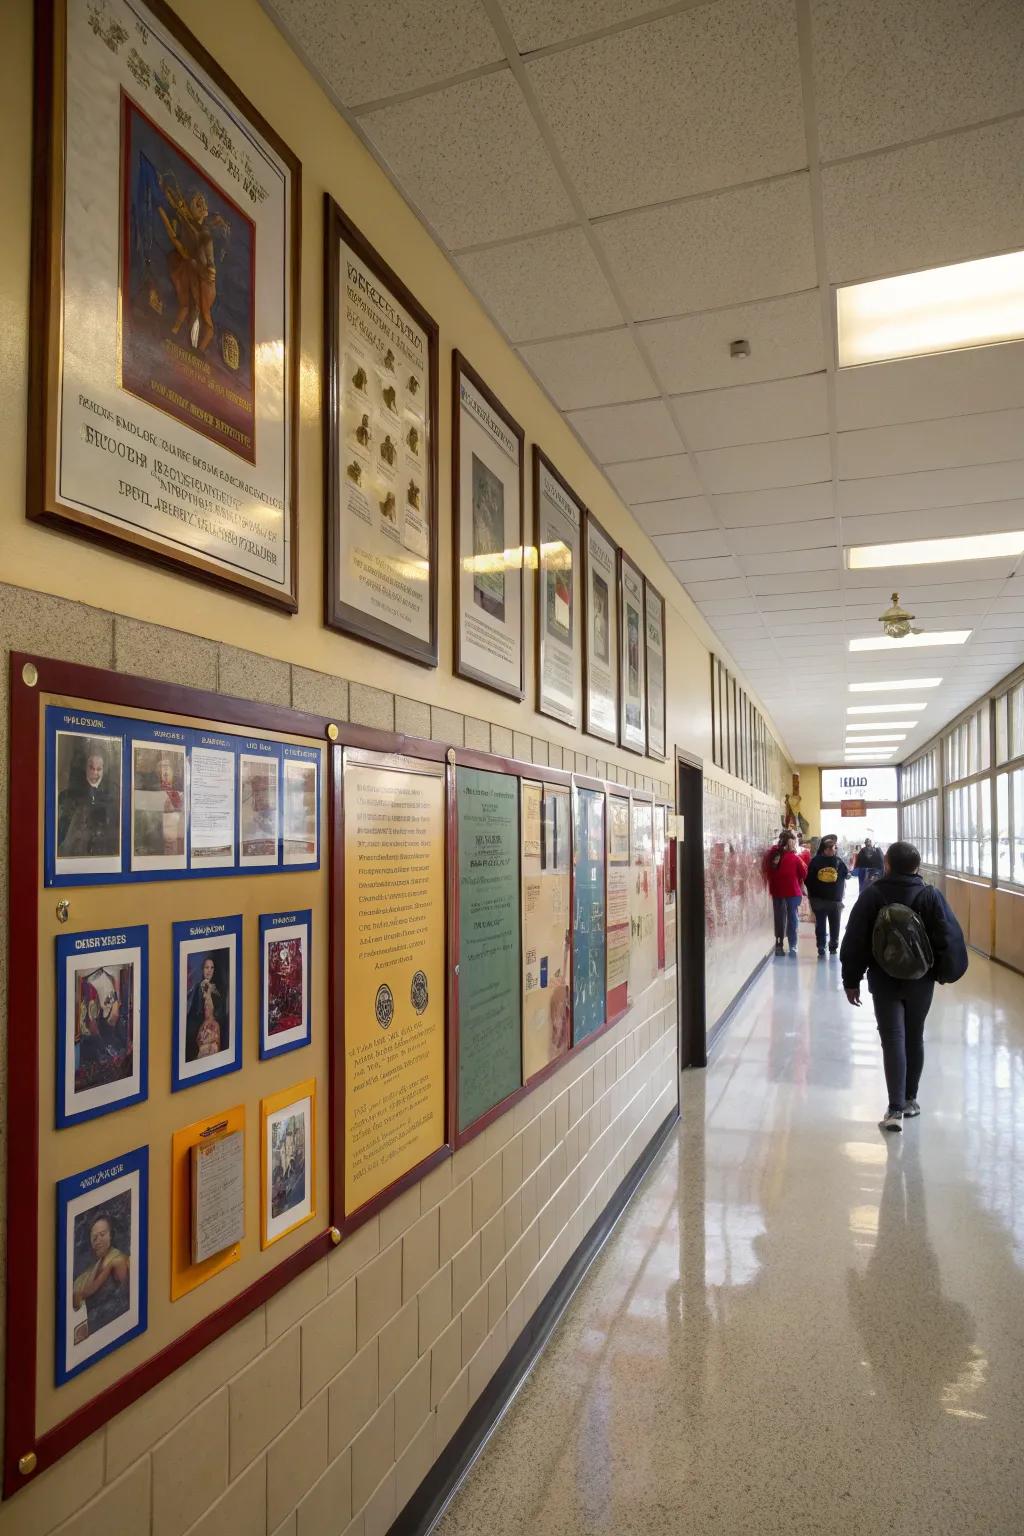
[632, 658]
[654, 660]
[547, 963]
[559, 520]
[618, 906]
[588, 932]
[601, 632]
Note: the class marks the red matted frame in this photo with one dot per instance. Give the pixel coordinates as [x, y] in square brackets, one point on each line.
[104, 688]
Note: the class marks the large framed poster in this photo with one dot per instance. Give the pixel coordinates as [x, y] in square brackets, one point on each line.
[165, 302]
[600, 633]
[632, 658]
[589, 999]
[654, 662]
[558, 517]
[487, 544]
[547, 957]
[618, 907]
[380, 447]
[643, 957]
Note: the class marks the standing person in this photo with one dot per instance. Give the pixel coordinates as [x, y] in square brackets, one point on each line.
[785, 872]
[869, 860]
[827, 875]
[903, 934]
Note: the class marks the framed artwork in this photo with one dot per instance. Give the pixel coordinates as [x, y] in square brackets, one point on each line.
[381, 361]
[600, 633]
[212, 810]
[559, 517]
[654, 662]
[287, 1161]
[102, 1022]
[102, 1281]
[207, 1033]
[165, 303]
[285, 939]
[632, 658]
[159, 803]
[84, 800]
[258, 822]
[545, 883]
[487, 505]
[300, 807]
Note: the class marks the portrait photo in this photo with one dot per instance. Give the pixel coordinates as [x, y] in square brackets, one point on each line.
[300, 806]
[600, 633]
[102, 987]
[159, 806]
[287, 1163]
[208, 1005]
[488, 540]
[101, 1261]
[87, 793]
[284, 981]
[257, 809]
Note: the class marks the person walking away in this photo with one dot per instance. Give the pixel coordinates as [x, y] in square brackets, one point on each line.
[827, 875]
[870, 861]
[901, 933]
[784, 871]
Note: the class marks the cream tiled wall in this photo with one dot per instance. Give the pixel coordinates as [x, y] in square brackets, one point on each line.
[323, 1410]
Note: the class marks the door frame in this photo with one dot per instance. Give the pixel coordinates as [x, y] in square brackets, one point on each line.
[691, 1011]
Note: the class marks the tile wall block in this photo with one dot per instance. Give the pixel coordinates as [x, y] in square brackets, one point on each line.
[477, 734]
[522, 746]
[436, 1185]
[420, 1253]
[263, 1400]
[412, 1403]
[123, 1507]
[412, 718]
[327, 1506]
[378, 1293]
[355, 1250]
[373, 1453]
[501, 741]
[297, 1298]
[371, 706]
[435, 1307]
[414, 1464]
[170, 655]
[396, 1218]
[540, 752]
[456, 1221]
[245, 675]
[352, 1399]
[328, 1339]
[445, 1361]
[295, 1460]
[447, 726]
[397, 1348]
[465, 1273]
[190, 1467]
[382, 1507]
[318, 693]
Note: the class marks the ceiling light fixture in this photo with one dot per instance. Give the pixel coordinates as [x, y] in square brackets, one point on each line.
[895, 686]
[910, 642]
[971, 546]
[944, 309]
[879, 725]
[883, 709]
[858, 741]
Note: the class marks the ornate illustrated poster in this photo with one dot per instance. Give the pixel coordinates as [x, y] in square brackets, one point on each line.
[654, 613]
[287, 1161]
[102, 1024]
[487, 500]
[165, 387]
[547, 963]
[285, 939]
[207, 1026]
[381, 450]
[394, 971]
[559, 535]
[632, 657]
[643, 961]
[601, 632]
[490, 1031]
[618, 905]
[589, 999]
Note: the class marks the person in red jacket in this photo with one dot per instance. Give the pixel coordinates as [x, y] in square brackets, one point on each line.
[785, 871]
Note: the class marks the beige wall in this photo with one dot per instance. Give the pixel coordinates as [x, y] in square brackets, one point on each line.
[810, 797]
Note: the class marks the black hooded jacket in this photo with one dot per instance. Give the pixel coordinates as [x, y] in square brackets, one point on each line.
[943, 930]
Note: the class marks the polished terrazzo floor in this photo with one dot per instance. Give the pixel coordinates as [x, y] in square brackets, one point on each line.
[799, 1325]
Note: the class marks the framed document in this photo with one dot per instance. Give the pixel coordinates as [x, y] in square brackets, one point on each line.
[589, 995]
[381, 450]
[165, 302]
[654, 662]
[559, 517]
[632, 658]
[287, 1161]
[207, 1033]
[285, 939]
[487, 547]
[102, 1002]
[547, 933]
[600, 633]
[192, 1265]
[617, 908]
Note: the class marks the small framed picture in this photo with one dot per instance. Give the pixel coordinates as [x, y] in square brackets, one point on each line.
[102, 1022]
[84, 797]
[284, 981]
[287, 1161]
[258, 820]
[159, 814]
[102, 1282]
[207, 999]
[300, 808]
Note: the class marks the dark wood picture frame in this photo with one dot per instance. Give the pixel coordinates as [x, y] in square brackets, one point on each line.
[625, 563]
[42, 502]
[612, 736]
[460, 367]
[651, 591]
[339, 614]
[541, 458]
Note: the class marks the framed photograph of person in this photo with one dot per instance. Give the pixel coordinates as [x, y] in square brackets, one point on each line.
[300, 807]
[559, 516]
[102, 1021]
[380, 426]
[165, 302]
[600, 633]
[83, 796]
[632, 658]
[654, 663]
[285, 940]
[287, 1161]
[102, 1280]
[159, 802]
[258, 804]
[488, 447]
[207, 1034]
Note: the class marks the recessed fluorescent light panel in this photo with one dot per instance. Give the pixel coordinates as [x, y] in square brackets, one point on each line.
[972, 546]
[882, 709]
[857, 741]
[945, 309]
[896, 686]
[912, 642]
[878, 725]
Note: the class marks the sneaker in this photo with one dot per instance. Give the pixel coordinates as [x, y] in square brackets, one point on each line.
[778, 946]
[893, 1120]
[910, 1109]
[792, 950]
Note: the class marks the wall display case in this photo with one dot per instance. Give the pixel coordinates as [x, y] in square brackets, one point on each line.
[558, 535]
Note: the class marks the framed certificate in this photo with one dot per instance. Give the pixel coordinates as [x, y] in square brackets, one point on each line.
[559, 517]
[487, 503]
[381, 450]
[632, 658]
[600, 633]
[654, 661]
[165, 302]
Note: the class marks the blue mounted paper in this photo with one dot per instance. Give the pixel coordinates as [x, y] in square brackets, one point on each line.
[102, 1021]
[285, 941]
[207, 999]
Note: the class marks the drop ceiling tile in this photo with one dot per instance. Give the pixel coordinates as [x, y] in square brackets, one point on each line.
[785, 504]
[692, 353]
[823, 582]
[615, 433]
[918, 583]
[790, 560]
[471, 128]
[548, 285]
[694, 546]
[817, 599]
[1010, 601]
[582, 371]
[747, 243]
[700, 591]
[925, 205]
[654, 479]
[693, 102]
[780, 538]
[705, 570]
[960, 440]
[689, 515]
[925, 388]
[716, 607]
[936, 523]
[538, 23]
[932, 488]
[798, 461]
[754, 413]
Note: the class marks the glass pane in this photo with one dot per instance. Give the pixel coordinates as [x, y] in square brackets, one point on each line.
[1002, 741]
[1003, 860]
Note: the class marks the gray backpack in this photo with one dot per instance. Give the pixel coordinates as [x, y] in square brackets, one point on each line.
[900, 943]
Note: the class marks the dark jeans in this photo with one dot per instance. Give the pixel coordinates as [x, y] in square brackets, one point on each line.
[900, 1018]
[828, 912]
[786, 909]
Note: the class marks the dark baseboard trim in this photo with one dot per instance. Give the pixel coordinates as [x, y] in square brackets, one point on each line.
[718, 1028]
[437, 1489]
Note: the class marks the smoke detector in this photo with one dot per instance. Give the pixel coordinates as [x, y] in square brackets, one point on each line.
[896, 622]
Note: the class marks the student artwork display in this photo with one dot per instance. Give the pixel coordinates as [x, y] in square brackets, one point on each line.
[287, 1161]
[207, 1037]
[558, 534]
[618, 906]
[632, 658]
[547, 955]
[654, 662]
[381, 448]
[601, 633]
[285, 939]
[643, 953]
[102, 1021]
[589, 994]
[207, 1198]
[487, 503]
[164, 392]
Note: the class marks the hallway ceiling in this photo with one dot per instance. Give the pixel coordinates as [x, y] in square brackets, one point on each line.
[628, 188]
